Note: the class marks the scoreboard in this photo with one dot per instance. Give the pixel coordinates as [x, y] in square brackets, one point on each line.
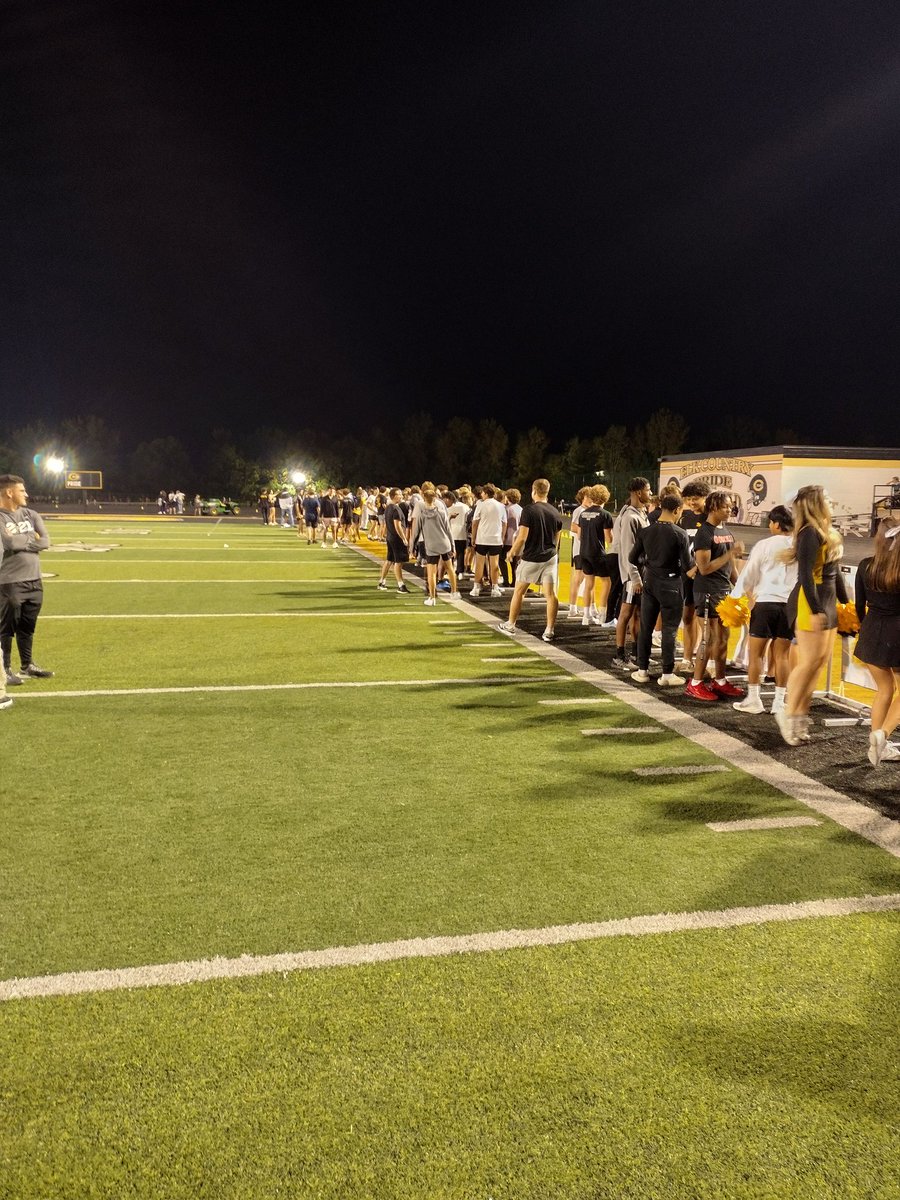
[89, 480]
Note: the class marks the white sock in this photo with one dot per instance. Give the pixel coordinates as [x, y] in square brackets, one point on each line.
[752, 691]
[779, 694]
[601, 613]
[721, 681]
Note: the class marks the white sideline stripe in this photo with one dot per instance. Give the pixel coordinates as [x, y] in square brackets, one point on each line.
[373, 612]
[476, 645]
[687, 770]
[73, 983]
[455, 622]
[489, 680]
[589, 700]
[827, 801]
[761, 823]
[232, 562]
[613, 730]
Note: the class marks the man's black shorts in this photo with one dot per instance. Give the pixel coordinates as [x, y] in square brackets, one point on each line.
[433, 559]
[397, 551]
[688, 591]
[488, 551]
[595, 566]
[769, 620]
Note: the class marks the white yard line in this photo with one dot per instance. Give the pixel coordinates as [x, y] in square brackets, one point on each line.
[73, 983]
[376, 612]
[578, 701]
[487, 681]
[103, 582]
[761, 823]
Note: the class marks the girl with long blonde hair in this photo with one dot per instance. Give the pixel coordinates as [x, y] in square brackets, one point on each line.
[878, 608]
[812, 605]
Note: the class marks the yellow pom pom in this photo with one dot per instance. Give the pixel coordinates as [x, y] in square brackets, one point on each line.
[733, 611]
[848, 621]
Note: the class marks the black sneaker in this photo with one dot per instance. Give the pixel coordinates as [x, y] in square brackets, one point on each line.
[402, 587]
[382, 587]
[33, 671]
[14, 680]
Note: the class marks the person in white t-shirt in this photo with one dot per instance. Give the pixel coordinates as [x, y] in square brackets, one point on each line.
[488, 531]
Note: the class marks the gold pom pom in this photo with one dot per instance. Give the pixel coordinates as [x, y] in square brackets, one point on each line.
[733, 611]
[848, 621]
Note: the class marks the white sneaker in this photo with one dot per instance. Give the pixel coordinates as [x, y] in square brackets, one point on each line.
[670, 681]
[476, 590]
[573, 613]
[877, 745]
[656, 639]
[548, 635]
[509, 630]
[640, 676]
[749, 706]
[454, 596]
[685, 667]
[585, 621]
[891, 752]
[595, 619]
[609, 624]
[786, 727]
[430, 602]
[496, 593]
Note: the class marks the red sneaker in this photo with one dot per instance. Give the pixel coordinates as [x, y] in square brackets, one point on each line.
[727, 689]
[699, 691]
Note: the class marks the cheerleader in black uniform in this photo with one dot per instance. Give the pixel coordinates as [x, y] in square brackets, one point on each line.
[878, 608]
[812, 605]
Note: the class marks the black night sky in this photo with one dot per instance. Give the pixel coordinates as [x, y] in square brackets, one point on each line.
[555, 213]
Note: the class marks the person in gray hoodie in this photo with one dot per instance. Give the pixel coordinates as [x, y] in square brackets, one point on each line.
[431, 523]
[23, 536]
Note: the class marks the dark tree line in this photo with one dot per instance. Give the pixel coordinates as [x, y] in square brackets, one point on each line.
[450, 451]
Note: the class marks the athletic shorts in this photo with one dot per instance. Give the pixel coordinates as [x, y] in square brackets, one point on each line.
[488, 551]
[312, 521]
[595, 566]
[576, 562]
[397, 552]
[769, 620]
[538, 572]
[706, 602]
[434, 559]
[688, 591]
[330, 522]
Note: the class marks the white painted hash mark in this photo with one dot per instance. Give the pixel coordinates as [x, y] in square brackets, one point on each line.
[585, 700]
[698, 770]
[761, 823]
[613, 729]
[75, 983]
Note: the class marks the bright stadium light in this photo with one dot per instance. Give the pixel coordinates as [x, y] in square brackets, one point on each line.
[55, 464]
[297, 477]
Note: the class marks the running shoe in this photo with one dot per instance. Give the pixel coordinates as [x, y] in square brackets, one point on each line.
[640, 676]
[699, 691]
[548, 635]
[14, 680]
[382, 587]
[891, 752]
[787, 728]
[444, 585]
[727, 690]
[508, 629]
[6, 702]
[749, 705]
[573, 613]
[401, 587]
[475, 592]
[625, 664]
[670, 681]
[454, 596]
[430, 602]
[685, 667]
[496, 593]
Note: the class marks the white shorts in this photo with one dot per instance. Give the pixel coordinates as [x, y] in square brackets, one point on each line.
[538, 572]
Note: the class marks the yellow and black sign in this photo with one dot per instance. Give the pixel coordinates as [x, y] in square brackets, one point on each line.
[91, 481]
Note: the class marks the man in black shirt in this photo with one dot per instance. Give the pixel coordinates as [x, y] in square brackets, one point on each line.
[395, 536]
[594, 529]
[694, 495]
[663, 553]
[537, 543]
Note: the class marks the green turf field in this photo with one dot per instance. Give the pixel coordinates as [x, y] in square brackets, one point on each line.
[349, 771]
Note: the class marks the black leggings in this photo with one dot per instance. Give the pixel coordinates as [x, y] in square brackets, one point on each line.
[20, 604]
